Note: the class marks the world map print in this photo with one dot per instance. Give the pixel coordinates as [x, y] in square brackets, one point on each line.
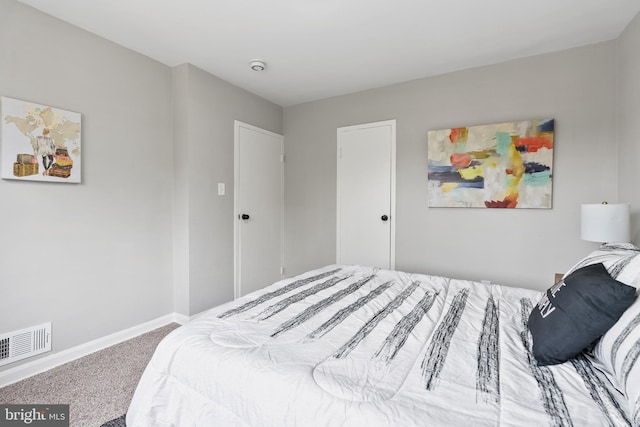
[40, 143]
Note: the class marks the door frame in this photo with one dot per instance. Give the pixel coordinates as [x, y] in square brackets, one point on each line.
[237, 262]
[392, 213]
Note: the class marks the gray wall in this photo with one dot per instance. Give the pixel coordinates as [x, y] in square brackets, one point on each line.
[525, 248]
[180, 90]
[94, 258]
[629, 120]
[144, 234]
[203, 158]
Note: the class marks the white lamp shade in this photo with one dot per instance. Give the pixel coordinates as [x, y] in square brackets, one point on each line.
[605, 223]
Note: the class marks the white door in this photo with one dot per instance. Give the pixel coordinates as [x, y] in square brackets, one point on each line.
[366, 194]
[258, 208]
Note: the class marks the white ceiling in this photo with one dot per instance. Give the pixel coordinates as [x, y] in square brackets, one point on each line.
[320, 48]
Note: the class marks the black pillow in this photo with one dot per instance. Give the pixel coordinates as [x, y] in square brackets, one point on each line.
[575, 312]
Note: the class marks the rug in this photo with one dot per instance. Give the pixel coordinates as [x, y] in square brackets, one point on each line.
[117, 422]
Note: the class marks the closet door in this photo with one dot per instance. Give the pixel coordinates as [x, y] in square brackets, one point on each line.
[366, 194]
[258, 208]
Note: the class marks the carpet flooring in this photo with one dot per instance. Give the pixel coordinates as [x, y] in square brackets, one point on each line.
[98, 387]
[118, 422]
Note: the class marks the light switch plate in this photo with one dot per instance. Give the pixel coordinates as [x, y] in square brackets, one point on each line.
[221, 189]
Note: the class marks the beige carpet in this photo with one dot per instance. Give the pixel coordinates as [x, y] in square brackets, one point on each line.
[98, 387]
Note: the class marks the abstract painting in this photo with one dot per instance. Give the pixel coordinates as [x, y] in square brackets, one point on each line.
[505, 165]
[40, 143]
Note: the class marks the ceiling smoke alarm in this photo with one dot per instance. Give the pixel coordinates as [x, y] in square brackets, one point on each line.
[258, 65]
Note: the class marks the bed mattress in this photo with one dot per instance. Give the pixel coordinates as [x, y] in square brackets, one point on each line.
[358, 346]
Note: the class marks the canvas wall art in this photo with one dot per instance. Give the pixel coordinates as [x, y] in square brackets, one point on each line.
[39, 142]
[505, 165]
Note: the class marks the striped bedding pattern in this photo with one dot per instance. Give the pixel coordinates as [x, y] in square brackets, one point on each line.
[360, 346]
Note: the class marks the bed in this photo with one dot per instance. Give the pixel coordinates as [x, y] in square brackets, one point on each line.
[348, 345]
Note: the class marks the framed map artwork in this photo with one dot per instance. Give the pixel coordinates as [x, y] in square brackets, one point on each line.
[40, 143]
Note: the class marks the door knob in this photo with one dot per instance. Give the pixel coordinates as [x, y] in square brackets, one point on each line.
[244, 216]
[384, 217]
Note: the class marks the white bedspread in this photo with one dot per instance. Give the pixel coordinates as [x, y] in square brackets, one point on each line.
[356, 346]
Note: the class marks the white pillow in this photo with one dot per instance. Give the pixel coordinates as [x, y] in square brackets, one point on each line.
[620, 259]
[618, 351]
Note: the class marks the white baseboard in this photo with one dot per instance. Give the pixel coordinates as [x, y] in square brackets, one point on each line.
[45, 363]
[181, 319]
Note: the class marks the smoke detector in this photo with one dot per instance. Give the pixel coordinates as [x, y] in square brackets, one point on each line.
[258, 65]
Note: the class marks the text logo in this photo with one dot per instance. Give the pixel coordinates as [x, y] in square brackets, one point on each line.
[34, 415]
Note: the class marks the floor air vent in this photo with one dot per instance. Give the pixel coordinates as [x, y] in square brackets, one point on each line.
[18, 345]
